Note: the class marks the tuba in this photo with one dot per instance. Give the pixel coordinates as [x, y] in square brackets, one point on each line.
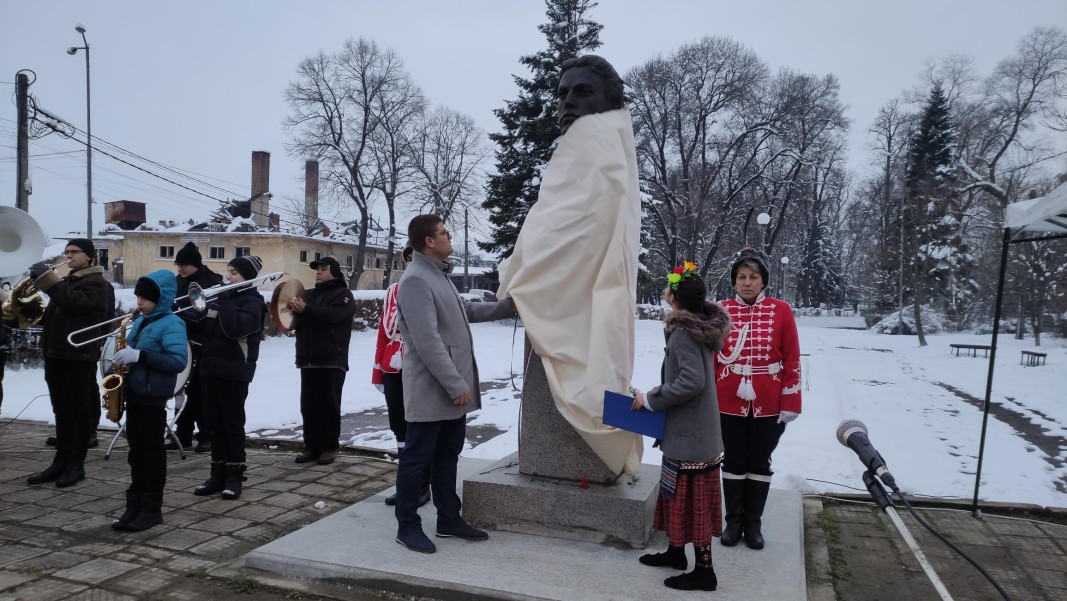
[114, 384]
[21, 243]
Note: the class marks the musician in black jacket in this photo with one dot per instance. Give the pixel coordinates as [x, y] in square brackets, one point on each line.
[322, 321]
[232, 333]
[191, 270]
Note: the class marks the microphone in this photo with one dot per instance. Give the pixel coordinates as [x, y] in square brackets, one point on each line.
[853, 434]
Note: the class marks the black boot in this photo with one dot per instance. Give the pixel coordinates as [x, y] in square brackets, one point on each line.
[755, 500]
[235, 475]
[151, 512]
[733, 492]
[133, 506]
[700, 579]
[75, 471]
[52, 472]
[215, 482]
[673, 557]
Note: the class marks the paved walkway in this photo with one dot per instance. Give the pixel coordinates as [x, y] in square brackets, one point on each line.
[58, 543]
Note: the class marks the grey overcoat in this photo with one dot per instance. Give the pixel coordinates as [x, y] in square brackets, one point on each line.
[439, 360]
[692, 431]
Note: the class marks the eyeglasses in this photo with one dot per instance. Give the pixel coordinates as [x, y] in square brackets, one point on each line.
[68, 253]
[445, 233]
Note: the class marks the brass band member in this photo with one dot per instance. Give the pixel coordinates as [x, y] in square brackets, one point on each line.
[155, 354]
[232, 333]
[191, 270]
[76, 301]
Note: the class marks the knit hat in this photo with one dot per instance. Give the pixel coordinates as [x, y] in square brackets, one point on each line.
[86, 245]
[147, 289]
[248, 266]
[335, 267]
[189, 255]
[749, 254]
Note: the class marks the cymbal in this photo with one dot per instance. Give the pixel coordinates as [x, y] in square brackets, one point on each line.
[279, 303]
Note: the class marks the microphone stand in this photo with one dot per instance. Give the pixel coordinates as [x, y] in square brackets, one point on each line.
[878, 493]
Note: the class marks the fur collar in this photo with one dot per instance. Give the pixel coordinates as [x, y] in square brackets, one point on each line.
[708, 326]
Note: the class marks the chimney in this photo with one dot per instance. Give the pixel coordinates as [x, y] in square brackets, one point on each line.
[311, 191]
[260, 187]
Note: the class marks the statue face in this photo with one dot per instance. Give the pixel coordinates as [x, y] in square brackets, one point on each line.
[581, 92]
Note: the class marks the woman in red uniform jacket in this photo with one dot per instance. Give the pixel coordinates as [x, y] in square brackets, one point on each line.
[758, 382]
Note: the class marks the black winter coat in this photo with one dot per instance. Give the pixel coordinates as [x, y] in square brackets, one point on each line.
[324, 327]
[74, 302]
[233, 329]
[194, 320]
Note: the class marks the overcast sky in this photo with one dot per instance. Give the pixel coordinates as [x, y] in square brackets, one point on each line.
[198, 85]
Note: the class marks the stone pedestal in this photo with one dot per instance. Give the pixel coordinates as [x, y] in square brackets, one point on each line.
[548, 444]
[501, 498]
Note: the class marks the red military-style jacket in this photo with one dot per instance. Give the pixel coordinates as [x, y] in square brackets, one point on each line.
[758, 369]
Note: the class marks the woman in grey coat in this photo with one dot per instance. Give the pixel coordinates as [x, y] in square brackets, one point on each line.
[689, 506]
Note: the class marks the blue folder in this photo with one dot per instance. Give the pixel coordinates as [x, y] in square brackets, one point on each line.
[617, 413]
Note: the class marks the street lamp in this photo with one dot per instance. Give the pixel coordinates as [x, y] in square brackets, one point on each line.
[785, 268]
[89, 133]
[763, 219]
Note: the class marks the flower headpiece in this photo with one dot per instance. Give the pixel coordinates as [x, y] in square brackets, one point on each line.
[680, 273]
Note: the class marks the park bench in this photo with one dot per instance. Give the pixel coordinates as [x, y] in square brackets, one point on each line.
[971, 348]
[1032, 358]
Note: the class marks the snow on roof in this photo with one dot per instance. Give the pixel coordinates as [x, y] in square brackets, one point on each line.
[1045, 214]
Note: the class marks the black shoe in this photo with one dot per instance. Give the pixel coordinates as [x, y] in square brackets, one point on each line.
[215, 483]
[307, 456]
[464, 531]
[673, 557]
[391, 500]
[326, 458]
[417, 541]
[50, 474]
[733, 492]
[50, 441]
[151, 513]
[203, 447]
[133, 507]
[700, 579]
[74, 474]
[235, 476]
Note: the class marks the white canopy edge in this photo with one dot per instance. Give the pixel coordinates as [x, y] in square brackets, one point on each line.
[1045, 214]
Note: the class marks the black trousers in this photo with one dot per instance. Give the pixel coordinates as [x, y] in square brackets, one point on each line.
[193, 415]
[436, 444]
[145, 428]
[749, 442]
[224, 404]
[394, 403]
[320, 406]
[73, 390]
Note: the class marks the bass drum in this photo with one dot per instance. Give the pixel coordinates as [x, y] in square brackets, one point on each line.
[108, 353]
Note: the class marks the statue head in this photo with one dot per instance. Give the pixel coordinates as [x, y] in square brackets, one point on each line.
[587, 85]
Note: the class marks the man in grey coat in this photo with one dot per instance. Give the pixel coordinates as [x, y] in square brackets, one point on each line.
[440, 383]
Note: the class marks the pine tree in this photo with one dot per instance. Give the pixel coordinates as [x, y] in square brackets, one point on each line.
[931, 224]
[529, 122]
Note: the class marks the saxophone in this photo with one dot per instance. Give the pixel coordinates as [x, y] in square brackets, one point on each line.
[114, 384]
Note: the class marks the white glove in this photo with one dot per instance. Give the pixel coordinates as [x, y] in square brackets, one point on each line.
[380, 387]
[787, 416]
[126, 356]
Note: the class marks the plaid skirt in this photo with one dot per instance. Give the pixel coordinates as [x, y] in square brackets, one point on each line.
[694, 513]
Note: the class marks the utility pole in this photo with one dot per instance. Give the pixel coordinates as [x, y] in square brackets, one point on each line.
[466, 254]
[22, 177]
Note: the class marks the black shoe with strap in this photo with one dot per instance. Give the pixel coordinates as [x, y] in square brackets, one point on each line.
[673, 557]
[700, 579]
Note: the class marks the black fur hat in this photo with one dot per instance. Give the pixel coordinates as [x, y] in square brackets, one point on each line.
[189, 255]
[749, 254]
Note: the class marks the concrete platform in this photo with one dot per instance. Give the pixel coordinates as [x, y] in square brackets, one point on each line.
[357, 545]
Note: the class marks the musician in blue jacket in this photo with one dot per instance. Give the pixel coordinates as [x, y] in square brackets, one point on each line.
[156, 352]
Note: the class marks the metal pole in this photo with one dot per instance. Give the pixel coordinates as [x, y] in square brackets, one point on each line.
[22, 144]
[900, 276]
[88, 148]
[466, 253]
[992, 359]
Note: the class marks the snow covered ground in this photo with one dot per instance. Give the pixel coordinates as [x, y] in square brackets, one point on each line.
[913, 400]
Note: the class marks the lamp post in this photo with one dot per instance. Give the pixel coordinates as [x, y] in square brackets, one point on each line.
[763, 219]
[89, 133]
[785, 270]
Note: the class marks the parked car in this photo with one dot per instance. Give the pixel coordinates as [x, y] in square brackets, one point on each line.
[486, 295]
[474, 298]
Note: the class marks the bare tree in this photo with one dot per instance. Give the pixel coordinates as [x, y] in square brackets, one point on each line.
[449, 153]
[336, 105]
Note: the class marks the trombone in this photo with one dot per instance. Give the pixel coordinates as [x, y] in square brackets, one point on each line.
[197, 296]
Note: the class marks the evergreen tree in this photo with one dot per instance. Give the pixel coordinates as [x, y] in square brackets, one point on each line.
[931, 225]
[529, 122]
